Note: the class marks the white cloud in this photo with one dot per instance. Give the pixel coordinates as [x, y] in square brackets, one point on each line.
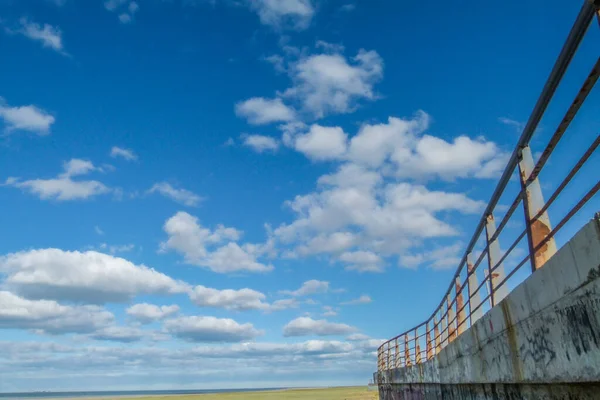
[322, 143]
[416, 155]
[517, 125]
[88, 277]
[128, 9]
[123, 334]
[210, 329]
[181, 196]
[240, 300]
[98, 230]
[309, 287]
[25, 118]
[50, 317]
[77, 167]
[357, 337]
[445, 257]
[329, 311]
[48, 35]
[362, 261]
[63, 188]
[147, 313]
[384, 220]
[126, 154]
[260, 143]
[328, 83]
[189, 238]
[305, 326]
[364, 299]
[112, 5]
[114, 249]
[260, 111]
[296, 14]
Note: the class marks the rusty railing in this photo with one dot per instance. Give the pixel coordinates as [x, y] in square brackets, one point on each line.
[463, 303]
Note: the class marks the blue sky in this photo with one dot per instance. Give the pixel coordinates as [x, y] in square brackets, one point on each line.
[199, 190]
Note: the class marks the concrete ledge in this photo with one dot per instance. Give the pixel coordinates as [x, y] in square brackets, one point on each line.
[547, 331]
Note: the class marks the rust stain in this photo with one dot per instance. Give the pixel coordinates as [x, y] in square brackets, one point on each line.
[436, 333]
[512, 341]
[407, 360]
[460, 311]
[539, 231]
[429, 344]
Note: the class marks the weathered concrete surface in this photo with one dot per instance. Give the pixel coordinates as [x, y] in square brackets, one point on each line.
[541, 341]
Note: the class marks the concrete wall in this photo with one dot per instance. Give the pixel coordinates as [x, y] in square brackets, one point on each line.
[542, 341]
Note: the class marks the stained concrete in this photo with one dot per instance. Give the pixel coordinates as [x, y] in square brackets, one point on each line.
[541, 341]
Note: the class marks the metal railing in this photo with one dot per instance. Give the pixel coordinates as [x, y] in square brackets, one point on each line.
[462, 303]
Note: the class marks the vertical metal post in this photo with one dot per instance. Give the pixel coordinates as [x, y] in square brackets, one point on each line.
[397, 360]
[407, 360]
[389, 355]
[418, 356]
[451, 320]
[474, 297]
[498, 293]
[436, 334]
[429, 345]
[444, 332]
[461, 312]
[533, 201]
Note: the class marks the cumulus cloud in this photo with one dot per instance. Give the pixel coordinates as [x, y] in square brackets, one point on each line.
[362, 261]
[358, 225]
[329, 311]
[148, 313]
[240, 300]
[48, 35]
[181, 196]
[199, 246]
[295, 14]
[322, 143]
[210, 329]
[309, 287]
[123, 334]
[260, 111]
[364, 299]
[260, 143]
[444, 257]
[306, 326]
[126, 9]
[25, 118]
[63, 187]
[331, 84]
[86, 277]
[416, 155]
[126, 154]
[47, 316]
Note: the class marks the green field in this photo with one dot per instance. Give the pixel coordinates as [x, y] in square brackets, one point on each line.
[342, 393]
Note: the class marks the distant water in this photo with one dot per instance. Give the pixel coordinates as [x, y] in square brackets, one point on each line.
[119, 393]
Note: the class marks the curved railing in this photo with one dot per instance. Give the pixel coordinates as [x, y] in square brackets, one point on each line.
[462, 303]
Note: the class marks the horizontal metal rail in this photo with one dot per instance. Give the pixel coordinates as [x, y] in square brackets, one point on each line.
[463, 304]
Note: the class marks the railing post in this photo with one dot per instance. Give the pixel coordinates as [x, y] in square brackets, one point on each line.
[436, 334]
[460, 309]
[407, 360]
[533, 201]
[397, 360]
[429, 345]
[474, 297]
[497, 276]
[444, 331]
[451, 320]
[418, 357]
[389, 355]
